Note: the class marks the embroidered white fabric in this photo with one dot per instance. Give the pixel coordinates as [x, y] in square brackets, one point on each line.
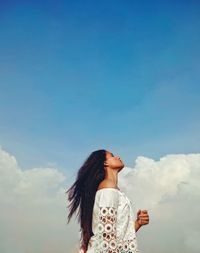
[112, 223]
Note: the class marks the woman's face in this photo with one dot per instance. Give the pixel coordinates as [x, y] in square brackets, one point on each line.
[113, 161]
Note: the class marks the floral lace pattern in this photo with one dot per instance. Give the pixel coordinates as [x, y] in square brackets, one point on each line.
[107, 240]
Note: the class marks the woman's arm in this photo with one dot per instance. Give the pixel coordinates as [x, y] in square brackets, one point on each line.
[137, 225]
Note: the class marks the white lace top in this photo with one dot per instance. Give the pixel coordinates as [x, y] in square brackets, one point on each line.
[113, 223]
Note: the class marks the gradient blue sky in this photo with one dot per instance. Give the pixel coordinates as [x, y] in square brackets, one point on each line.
[76, 76]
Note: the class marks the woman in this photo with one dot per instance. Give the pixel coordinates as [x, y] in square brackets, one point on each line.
[104, 211]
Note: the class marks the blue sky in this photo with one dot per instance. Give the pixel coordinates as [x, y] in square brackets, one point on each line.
[76, 76]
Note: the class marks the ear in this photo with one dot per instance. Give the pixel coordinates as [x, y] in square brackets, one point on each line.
[105, 163]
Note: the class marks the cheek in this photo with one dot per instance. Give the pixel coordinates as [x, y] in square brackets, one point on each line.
[111, 162]
[114, 162]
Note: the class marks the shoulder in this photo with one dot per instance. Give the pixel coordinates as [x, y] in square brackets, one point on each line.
[107, 195]
[106, 184]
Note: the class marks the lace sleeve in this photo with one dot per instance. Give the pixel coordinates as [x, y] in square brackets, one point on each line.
[107, 222]
[107, 229]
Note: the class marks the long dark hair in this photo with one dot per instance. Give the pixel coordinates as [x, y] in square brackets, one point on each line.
[81, 194]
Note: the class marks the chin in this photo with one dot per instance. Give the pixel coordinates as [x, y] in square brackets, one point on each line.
[121, 167]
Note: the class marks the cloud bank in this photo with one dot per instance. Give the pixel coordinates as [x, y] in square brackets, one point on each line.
[34, 206]
[33, 209]
[169, 189]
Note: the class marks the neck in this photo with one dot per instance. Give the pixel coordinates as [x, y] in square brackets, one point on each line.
[112, 175]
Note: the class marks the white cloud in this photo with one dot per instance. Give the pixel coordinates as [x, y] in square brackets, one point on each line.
[169, 189]
[33, 209]
[34, 206]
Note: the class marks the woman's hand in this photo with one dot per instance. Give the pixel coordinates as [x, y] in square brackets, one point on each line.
[142, 219]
